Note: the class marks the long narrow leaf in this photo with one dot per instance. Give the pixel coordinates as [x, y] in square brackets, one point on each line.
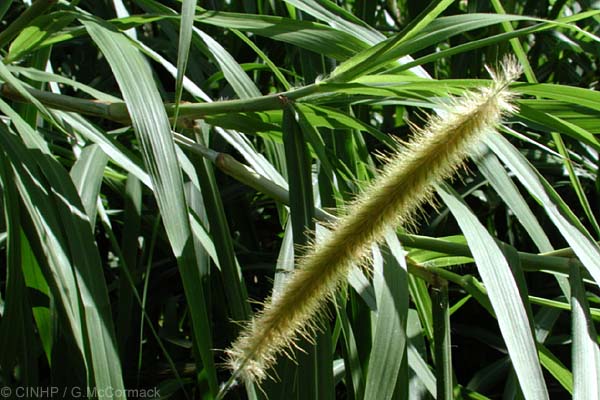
[74, 264]
[585, 351]
[390, 340]
[183, 50]
[151, 124]
[576, 235]
[505, 298]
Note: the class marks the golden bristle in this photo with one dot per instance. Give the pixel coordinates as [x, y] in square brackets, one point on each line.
[404, 184]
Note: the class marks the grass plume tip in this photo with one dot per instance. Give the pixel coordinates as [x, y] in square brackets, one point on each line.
[404, 184]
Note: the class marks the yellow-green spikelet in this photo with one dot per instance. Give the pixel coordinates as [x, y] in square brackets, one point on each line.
[404, 184]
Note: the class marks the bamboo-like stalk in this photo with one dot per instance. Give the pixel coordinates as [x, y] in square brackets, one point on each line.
[117, 111]
[404, 184]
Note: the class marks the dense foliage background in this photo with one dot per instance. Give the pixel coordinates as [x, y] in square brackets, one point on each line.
[155, 186]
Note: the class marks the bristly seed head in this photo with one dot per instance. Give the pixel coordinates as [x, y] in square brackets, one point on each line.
[390, 200]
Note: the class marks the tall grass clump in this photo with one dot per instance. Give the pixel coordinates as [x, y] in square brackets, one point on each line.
[162, 161]
[404, 184]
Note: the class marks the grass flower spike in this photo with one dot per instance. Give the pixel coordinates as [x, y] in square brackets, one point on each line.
[404, 184]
